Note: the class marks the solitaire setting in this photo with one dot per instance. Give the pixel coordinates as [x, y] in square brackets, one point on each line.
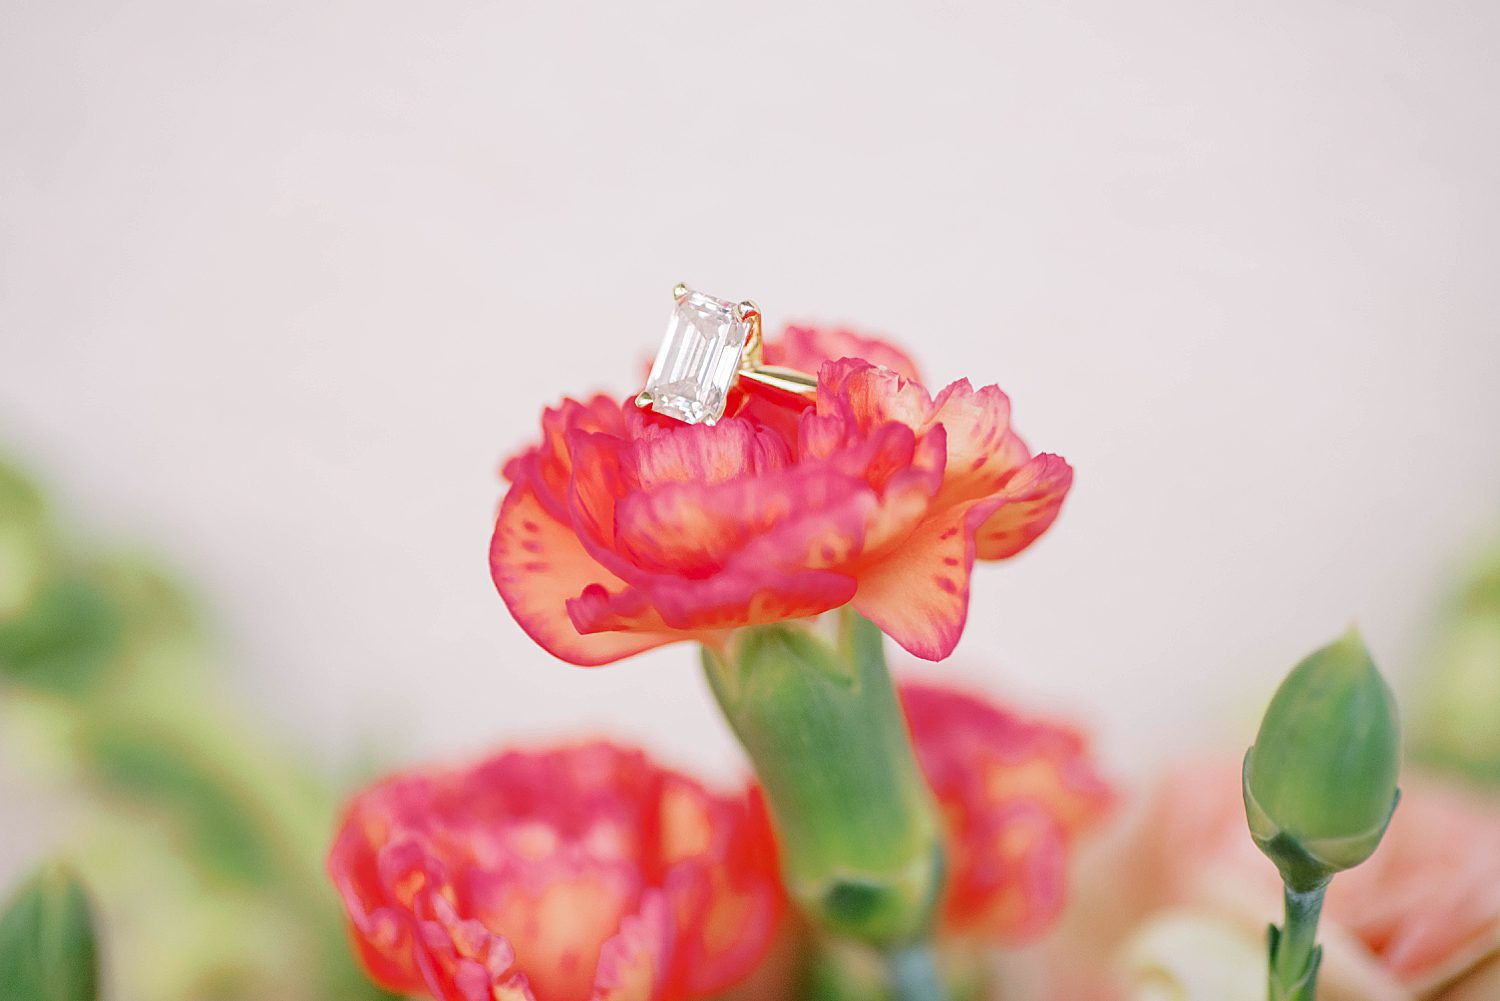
[711, 343]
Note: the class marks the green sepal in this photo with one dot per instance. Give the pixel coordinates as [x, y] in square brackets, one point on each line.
[857, 828]
[1306, 865]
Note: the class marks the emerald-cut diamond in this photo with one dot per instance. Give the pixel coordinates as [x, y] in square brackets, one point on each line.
[699, 359]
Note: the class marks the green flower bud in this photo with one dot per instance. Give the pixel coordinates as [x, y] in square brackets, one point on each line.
[1320, 780]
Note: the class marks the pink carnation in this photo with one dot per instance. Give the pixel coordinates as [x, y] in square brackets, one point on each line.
[623, 530]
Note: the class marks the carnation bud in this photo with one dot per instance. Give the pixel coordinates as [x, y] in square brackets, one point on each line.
[1320, 780]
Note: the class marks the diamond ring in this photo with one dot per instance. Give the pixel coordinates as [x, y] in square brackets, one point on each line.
[710, 344]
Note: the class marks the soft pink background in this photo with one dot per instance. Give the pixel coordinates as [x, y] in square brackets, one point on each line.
[281, 283]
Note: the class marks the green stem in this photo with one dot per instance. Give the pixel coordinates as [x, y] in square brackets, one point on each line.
[1295, 954]
[858, 831]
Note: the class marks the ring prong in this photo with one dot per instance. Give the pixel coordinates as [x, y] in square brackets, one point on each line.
[679, 290]
[785, 379]
[746, 309]
[644, 399]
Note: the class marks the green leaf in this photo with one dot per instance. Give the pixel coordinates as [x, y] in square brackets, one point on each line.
[47, 950]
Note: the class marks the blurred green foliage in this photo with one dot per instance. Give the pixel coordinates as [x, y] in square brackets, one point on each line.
[202, 834]
[47, 950]
[1457, 725]
[63, 639]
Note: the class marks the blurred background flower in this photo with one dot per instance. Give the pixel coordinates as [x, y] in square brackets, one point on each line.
[568, 874]
[1016, 795]
[1181, 893]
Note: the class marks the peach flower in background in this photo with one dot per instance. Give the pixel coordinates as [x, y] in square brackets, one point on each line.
[623, 530]
[1015, 795]
[580, 874]
[1416, 921]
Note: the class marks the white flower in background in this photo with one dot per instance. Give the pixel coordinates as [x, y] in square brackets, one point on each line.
[1184, 954]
